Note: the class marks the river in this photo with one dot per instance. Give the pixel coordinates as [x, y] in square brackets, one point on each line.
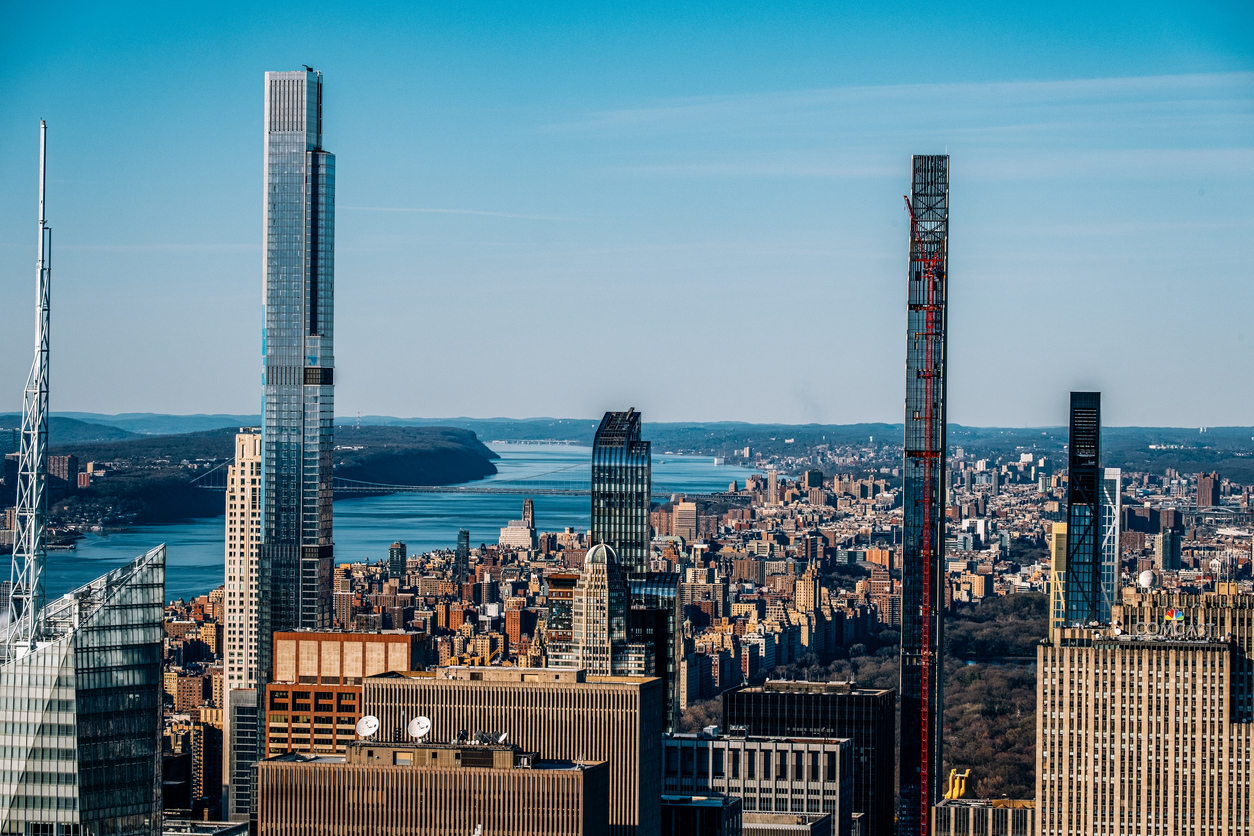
[366, 526]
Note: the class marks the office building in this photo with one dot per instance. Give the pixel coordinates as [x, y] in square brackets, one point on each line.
[828, 710]
[621, 490]
[397, 556]
[63, 471]
[923, 579]
[1084, 598]
[299, 374]
[243, 545]
[431, 789]
[1208, 485]
[313, 700]
[563, 713]
[1145, 727]
[985, 816]
[598, 615]
[80, 746]
[701, 815]
[768, 774]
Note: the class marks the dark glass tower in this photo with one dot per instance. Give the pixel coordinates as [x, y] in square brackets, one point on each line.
[1082, 594]
[298, 407]
[621, 487]
[461, 559]
[923, 525]
[397, 555]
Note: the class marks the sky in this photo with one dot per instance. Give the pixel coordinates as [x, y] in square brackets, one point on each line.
[692, 209]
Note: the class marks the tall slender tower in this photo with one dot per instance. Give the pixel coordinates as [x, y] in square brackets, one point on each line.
[923, 535]
[621, 489]
[1083, 598]
[26, 598]
[461, 559]
[298, 407]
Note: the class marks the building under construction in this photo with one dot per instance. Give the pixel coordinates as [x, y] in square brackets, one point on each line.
[923, 541]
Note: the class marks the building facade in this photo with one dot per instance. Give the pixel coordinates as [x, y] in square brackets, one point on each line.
[987, 817]
[561, 712]
[598, 615]
[828, 710]
[80, 746]
[768, 774]
[621, 490]
[299, 361]
[1146, 727]
[243, 547]
[923, 579]
[431, 789]
[1084, 598]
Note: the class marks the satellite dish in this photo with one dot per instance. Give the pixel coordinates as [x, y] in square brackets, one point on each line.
[501, 739]
[367, 725]
[419, 727]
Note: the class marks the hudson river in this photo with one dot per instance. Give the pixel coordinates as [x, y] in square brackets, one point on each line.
[366, 526]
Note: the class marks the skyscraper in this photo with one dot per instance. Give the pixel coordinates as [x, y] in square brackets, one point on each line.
[621, 487]
[1083, 597]
[599, 615]
[923, 523]
[243, 536]
[1111, 534]
[397, 556]
[461, 559]
[298, 407]
[1208, 489]
[80, 748]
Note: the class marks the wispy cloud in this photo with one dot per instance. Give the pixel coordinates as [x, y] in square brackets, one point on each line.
[478, 212]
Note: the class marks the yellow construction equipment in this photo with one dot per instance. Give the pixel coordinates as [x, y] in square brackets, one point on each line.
[957, 784]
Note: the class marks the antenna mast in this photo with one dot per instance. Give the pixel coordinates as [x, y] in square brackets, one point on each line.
[26, 595]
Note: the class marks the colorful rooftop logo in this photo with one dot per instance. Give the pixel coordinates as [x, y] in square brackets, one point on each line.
[1174, 615]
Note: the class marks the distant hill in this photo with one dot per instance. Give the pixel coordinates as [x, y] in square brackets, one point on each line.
[151, 423]
[64, 430]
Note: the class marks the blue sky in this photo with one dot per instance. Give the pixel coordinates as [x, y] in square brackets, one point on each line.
[559, 209]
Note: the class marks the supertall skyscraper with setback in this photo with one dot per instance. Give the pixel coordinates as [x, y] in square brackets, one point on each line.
[923, 536]
[298, 406]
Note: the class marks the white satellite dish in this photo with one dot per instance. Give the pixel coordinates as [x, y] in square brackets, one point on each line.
[419, 727]
[367, 725]
[501, 739]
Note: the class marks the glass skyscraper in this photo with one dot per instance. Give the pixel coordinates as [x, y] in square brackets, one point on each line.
[1082, 595]
[298, 407]
[1112, 532]
[80, 745]
[621, 489]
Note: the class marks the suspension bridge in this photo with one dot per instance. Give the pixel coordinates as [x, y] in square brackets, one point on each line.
[537, 485]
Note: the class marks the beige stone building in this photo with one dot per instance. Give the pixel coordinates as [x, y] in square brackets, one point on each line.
[243, 544]
[1144, 727]
[561, 712]
[422, 789]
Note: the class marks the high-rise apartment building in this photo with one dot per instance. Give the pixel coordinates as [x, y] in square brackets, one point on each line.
[1085, 597]
[298, 408]
[461, 558]
[684, 521]
[243, 546]
[1208, 485]
[1109, 546]
[827, 710]
[80, 746]
[599, 615]
[1057, 577]
[1145, 727]
[923, 578]
[397, 555]
[562, 713]
[621, 490]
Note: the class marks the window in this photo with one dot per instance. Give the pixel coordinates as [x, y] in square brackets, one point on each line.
[781, 766]
[831, 766]
[814, 766]
[735, 763]
[766, 765]
[751, 764]
[717, 755]
[672, 761]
